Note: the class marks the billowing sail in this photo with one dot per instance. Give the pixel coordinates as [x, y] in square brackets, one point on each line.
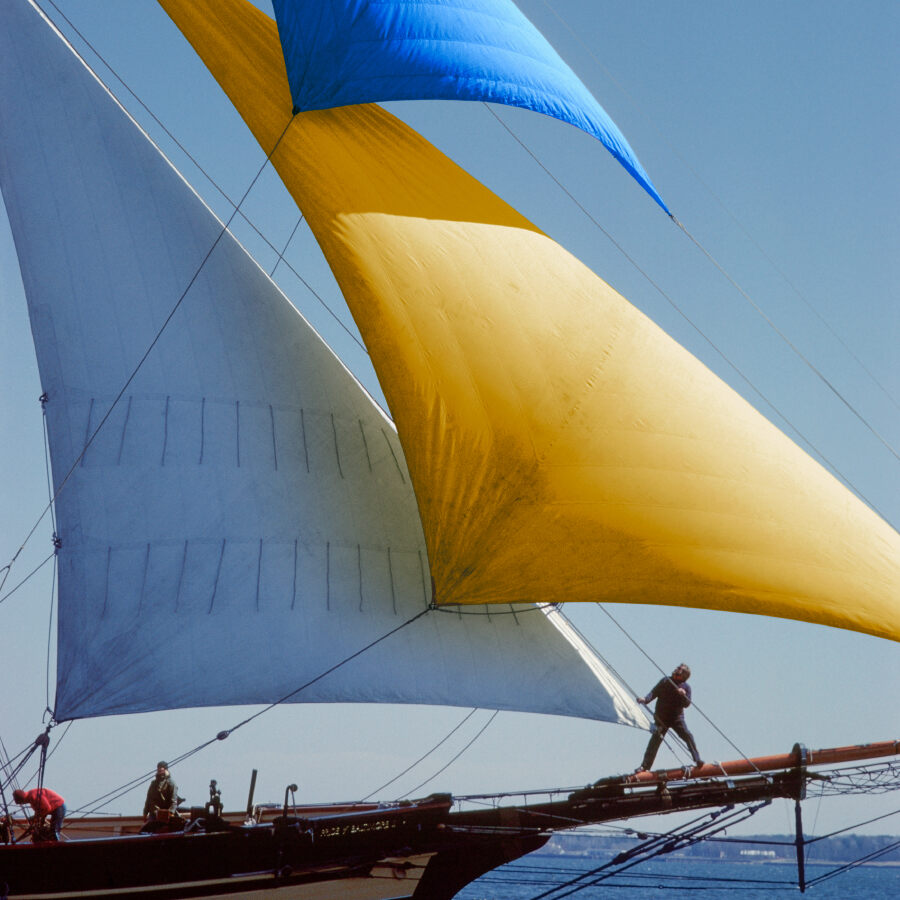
[244, 519]
[346, 52]
[562, 447]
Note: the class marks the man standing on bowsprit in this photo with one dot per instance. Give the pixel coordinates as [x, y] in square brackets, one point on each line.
[673, 696]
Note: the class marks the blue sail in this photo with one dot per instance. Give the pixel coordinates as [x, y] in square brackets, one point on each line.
[343, 52]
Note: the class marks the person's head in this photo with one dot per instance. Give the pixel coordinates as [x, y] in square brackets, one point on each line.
[19, 796]
[681, 673]
[162, 769]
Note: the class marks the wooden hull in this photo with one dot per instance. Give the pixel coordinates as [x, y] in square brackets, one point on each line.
[414, 851]
[367, 852]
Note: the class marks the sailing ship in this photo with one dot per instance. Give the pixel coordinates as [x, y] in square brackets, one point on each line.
[243, 474]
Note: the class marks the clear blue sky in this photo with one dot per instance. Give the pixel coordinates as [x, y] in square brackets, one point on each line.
[771, 130]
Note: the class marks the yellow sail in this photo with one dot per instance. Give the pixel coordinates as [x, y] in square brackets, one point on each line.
[561, 445]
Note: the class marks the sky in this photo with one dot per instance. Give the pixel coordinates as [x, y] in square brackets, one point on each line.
[772, 132]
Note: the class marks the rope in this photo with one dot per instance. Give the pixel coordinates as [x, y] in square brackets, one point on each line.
[283, 250]
[689, 833]
[852, 865]
[31, 574]
[458, 755]
[425, 755]
[50, 633]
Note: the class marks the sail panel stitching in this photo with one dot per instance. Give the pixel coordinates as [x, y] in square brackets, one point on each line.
[274, 442]
[181, 576]
[303, 435]
[337, 452]
[162, 461]
[294, 584]
[259, 572]
[359, 574]
[202, 428]
[124, 429]
[394, 455]
[87, 431]
[237, 431]
[362, 431]
[212, 598]
[144, 578]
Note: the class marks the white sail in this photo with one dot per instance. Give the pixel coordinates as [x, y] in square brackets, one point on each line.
[243, 519]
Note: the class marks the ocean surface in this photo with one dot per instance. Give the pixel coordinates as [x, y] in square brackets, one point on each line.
[554, 877]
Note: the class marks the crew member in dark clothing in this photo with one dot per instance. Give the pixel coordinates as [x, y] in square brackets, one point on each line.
[44, 802]
[162, 795]
[673, 696]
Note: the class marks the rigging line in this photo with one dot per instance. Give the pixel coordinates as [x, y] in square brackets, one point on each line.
[660, 290]
[654, 663]
[29, 575]
[118, 792]
[223, 231]
[222, 735]
[852, 865]
[807, 850]
[785, 338]
[831, 834]
[458, 755]
[599, 656]
[690, 832]
[674, 150]
[287, 244]
[26, 755]
[456, 609]
[427, 754]
[212, 181]
[50, 632]
[47, 469]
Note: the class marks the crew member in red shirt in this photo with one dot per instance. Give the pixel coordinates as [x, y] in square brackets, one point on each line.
[44, 802]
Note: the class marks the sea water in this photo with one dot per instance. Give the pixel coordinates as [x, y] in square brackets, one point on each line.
[554, 877]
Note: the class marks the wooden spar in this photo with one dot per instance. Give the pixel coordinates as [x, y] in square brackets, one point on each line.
[826, 757]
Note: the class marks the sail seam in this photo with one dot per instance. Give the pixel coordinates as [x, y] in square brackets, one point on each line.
[165, 433]
[237, 431]
[124, 429]
[216, 582]
[274, 442]
[144, 579]
[362, 431]
[259, 572]
[303, 435]
[394, 455]
[87, 431]
[202, 429]
[359, 574]
[337, 452]
[181, 576]
[294, 583]
[106, 586]
[391, 577]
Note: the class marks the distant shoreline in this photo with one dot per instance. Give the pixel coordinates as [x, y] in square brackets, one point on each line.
[684, 857]
[882, 851]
